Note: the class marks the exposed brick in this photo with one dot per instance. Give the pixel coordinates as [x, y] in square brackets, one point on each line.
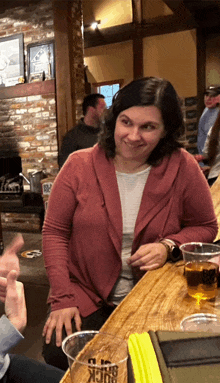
[33, 118]
[34, 110]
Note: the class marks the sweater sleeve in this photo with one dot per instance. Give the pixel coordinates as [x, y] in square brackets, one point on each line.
[9, 337]
[56, 234]
[199, 222]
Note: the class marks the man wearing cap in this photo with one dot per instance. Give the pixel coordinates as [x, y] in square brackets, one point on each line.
[209, 115]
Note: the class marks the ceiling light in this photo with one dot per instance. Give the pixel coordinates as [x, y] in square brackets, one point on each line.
[93, 25]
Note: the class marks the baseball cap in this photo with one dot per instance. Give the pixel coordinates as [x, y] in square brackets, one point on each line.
[212, 90]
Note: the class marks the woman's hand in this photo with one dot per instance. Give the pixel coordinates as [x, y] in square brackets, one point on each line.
[149, 257]
[57, 320]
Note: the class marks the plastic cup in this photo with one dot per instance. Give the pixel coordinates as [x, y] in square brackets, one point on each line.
[201, 322]
[201, 269]
[95, 356]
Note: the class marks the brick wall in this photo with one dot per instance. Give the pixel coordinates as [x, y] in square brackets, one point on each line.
[34, 121]
[33, 118]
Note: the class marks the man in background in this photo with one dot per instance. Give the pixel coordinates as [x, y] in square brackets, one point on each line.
[84, 134]
[209, 115]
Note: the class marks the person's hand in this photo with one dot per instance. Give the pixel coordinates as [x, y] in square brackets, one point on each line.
[149, 257]
[57, 320]
[9, 260]
[12, 295]
[205, 169]
[199, 157]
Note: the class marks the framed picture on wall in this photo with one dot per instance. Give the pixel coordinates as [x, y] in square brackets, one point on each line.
[11, 60]
[41, 60]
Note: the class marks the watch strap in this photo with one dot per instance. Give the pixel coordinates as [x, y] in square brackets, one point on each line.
[173, 251]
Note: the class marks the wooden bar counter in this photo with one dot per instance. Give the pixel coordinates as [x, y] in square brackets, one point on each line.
[159, 301]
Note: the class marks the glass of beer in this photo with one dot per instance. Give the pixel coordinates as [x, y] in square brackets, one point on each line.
[201, 270]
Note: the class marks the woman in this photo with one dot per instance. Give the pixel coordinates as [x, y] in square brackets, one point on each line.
[211, 151]
[120, 209]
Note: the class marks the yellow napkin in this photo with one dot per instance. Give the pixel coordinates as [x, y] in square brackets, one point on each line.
[144, 360]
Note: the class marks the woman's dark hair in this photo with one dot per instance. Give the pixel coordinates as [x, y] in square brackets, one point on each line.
[214, 141]
[146, 92]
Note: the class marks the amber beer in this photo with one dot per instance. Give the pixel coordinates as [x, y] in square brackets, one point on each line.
[202, 279]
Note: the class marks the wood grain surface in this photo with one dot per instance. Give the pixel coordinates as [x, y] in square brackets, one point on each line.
[159, 301]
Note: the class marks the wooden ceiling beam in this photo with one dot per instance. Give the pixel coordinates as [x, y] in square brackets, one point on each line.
[179, 8]
[137, 11]
[137, 40]
[124, 32]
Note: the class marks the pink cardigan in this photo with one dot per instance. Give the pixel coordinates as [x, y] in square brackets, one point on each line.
[82, 233]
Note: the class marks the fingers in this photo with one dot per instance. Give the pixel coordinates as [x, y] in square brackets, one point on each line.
[59, 328]
[78, 322]
[3, 286]
[12, 278]
[48, 330]
[15, 307]
[16, 244]
[148, 267]
[9, 260]
[137, 258]
[59, 319]
[8, 283]
[149, 257]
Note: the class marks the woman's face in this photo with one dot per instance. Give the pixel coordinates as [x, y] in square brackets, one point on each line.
[138, 130]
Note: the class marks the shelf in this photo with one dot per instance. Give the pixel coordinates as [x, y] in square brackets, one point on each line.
[28, 89]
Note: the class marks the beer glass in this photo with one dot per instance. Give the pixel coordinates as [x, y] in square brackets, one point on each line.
[95, 356]
[201, 269]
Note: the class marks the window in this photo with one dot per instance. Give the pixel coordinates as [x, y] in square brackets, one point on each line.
[108, 89]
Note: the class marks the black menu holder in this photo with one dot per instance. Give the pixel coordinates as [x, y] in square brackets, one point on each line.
[182, 357]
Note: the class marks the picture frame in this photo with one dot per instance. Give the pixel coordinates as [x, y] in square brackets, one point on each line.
[40, 58]
[11, 60]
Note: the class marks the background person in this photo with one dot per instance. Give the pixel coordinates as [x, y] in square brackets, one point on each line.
[120, 209]
[85, 134]
[211, 152]
[17, 368]
[209, 115]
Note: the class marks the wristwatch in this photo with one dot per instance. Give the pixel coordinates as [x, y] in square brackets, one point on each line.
[173, 251]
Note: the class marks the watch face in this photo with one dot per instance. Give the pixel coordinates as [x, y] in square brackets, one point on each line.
[176, 254]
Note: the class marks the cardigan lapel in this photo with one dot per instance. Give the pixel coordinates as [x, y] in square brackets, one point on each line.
[158, 190]
[156, 194]
[106, 177]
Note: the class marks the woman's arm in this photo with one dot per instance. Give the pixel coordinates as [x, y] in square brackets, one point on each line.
[193, 210]
[56, 235]
[198, 221]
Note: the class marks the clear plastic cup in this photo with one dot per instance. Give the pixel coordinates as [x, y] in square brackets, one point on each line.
[201, 269]
[95, 356]
[201, 322]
